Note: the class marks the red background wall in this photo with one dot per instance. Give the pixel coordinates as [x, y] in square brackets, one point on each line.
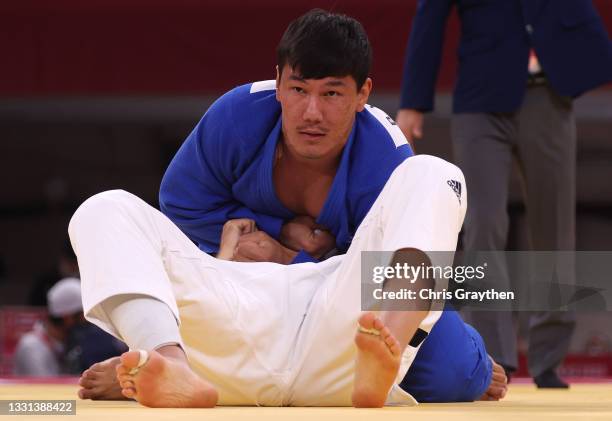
[184, 47]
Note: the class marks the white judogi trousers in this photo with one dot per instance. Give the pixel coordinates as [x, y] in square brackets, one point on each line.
[264, 333]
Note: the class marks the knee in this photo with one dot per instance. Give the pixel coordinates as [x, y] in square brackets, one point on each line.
[432, 165]
[432, 171]
[100, 208]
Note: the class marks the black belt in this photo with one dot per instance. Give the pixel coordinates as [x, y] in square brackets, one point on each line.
[418, 338]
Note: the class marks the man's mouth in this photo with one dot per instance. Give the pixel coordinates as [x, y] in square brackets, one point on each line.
[312, 134]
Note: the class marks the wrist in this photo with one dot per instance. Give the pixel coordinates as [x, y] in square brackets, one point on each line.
[289, 255]
[224, 254]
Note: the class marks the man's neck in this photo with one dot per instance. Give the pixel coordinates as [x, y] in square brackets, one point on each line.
[300, 164]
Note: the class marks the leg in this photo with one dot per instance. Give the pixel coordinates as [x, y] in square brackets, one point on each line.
[381, 340]
[119, 242]
[418, 209]
[448, 205]
[229, 313]
[168, 369]
[483, 150]
[547, 145]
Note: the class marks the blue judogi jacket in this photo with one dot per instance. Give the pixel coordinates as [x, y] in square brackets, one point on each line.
[223, 170]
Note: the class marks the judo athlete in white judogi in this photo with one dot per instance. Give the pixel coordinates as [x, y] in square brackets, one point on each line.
[260, 333]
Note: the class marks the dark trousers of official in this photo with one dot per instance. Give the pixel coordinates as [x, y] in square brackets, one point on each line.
[541, 135]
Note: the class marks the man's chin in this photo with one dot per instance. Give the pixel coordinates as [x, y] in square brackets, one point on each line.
[311, 154]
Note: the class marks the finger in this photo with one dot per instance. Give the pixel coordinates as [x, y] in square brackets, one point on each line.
[409, 135]
[248, 226]
[253, 236]
[241, 257]
[417, 131]
[411, 143]
[253, 251]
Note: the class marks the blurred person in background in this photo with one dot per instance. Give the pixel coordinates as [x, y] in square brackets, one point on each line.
[64, 343]
[521, 63]
[41, 352]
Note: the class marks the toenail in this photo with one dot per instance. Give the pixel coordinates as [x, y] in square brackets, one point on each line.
[370, 331]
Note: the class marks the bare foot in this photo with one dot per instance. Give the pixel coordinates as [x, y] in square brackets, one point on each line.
[378, 359]
[163, 382]
[498, 386]
[99, 382]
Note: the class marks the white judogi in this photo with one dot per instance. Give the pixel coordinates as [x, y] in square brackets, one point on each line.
[264, 333]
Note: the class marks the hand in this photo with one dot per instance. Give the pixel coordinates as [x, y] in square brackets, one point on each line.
[411, 123]
[303, 233]
[232, 231]
[260, 247]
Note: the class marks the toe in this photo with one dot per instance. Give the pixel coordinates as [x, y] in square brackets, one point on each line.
[125, 377]
[500, 378]
[127, 384]
[496, 391]
[121, 369]
[393, 345]
[130, 359]
[86, 382]
[384, 332]
[389, 340]
[378, 324]
[97, 367]
[366, 320]
[84, 393]
[129, 393]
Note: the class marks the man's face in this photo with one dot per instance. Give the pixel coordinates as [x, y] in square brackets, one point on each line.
[318, 114]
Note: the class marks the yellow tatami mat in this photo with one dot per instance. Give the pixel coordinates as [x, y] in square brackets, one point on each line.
[584, 402]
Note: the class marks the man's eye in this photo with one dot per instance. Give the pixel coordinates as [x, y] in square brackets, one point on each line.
[298, 89]
[332, 93]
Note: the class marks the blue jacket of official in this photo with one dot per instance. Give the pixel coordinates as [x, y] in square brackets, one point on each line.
[568, 37]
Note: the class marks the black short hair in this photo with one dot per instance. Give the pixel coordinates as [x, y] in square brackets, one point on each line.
[320, 44]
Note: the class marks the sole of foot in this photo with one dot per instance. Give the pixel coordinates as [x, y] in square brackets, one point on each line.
[377, 363]
[163, 382]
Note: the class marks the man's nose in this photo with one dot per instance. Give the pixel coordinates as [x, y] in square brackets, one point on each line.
[313, 109]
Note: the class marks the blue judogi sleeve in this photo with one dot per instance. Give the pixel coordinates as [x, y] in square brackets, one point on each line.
[196, 190]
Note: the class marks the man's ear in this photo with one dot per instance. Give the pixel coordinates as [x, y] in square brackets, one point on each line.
[277, 82]
[364, 94]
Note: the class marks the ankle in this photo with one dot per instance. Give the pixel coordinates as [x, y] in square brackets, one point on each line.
[173, 352]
